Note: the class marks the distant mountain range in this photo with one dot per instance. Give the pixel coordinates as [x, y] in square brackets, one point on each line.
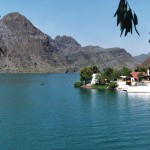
[141, 58]
[24, 48]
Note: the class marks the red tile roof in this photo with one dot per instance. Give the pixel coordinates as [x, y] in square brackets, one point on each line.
[135, 74]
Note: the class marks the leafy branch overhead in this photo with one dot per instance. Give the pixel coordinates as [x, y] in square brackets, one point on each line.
[126, 18]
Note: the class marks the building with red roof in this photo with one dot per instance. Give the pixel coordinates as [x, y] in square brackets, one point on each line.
[135, 74]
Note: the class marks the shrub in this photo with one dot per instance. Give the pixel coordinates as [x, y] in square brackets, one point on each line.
[112, 85]
[78, 84]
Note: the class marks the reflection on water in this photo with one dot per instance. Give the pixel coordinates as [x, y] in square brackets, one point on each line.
[137, 96]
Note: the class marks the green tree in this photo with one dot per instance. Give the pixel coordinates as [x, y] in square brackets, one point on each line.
[113, 74]
[107, 73]
[95, 69]
[100, 78]
[87, 72]
[126, 71]
[140, 69]
[116, 73]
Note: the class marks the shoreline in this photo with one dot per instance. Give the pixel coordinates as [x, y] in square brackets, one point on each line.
[87, 86]
[98, 87]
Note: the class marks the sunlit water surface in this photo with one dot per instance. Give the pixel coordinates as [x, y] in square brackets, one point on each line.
[45, 112]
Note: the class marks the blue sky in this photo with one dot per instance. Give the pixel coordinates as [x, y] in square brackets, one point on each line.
[90, 22]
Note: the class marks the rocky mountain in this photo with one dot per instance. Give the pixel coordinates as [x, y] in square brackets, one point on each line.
[146, 63]
[141, 58]
[24, 48]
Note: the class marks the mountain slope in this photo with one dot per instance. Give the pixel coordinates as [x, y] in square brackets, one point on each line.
[24, 48]
[141, 58]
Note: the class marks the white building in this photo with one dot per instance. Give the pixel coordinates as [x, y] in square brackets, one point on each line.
[94, 80]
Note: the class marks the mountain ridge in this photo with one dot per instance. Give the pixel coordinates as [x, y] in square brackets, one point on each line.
[24, 48]
[141, 58]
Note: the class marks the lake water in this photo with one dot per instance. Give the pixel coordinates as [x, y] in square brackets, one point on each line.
[45, 112]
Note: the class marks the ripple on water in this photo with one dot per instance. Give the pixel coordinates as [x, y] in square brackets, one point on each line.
[59, 116]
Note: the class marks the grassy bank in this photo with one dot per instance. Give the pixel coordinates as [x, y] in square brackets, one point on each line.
[99, 87]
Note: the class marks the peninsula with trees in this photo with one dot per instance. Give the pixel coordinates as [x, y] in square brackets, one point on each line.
[92, 77]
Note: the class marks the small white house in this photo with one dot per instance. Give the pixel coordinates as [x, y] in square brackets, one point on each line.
[94, 80]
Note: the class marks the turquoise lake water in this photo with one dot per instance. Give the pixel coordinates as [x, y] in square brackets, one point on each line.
[45, 112]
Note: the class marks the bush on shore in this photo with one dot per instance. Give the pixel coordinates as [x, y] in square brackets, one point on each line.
[112, 85]
[78, 84]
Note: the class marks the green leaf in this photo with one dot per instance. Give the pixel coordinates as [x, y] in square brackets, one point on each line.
[135, 19]
[117, 13]
[131, 28]
[118, 20]
[130, 14]
[121, 32]
[126, 32]
[125, 7]
[136, 30]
